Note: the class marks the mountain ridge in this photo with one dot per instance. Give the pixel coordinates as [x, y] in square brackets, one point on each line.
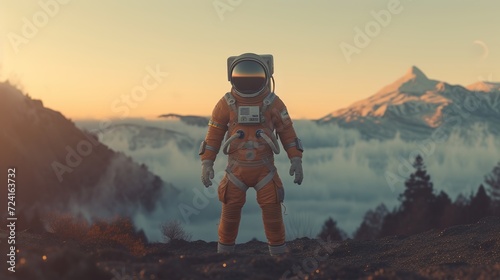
[414, 106]
[62, 168]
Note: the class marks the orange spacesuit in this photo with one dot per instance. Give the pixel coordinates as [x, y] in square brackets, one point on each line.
[250, 114]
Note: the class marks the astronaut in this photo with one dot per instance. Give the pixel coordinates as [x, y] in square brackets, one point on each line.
[249, 116]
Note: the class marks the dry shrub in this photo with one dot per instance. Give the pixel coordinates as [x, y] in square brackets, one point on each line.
[173, 230]
[66, 226]
[118, 232]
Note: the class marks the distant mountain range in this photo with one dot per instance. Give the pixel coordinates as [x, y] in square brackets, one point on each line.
[415, 106]
[191, 120]
[60, 167]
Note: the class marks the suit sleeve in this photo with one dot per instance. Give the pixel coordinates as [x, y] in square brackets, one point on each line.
[284, 127]
[217, 127]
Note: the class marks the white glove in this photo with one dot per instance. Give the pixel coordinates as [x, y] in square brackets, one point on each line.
[296, 169]
[207, 172]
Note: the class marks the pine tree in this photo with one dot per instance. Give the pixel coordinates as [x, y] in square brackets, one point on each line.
[417, 202]
[330, 231]
[493, 180]
[440, 208]
[372, 223]
[479, 205]
[418, 186]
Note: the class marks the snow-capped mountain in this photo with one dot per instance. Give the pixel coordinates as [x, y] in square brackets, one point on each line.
[415, 106]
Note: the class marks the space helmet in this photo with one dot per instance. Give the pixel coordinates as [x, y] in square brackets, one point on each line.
[250, 73]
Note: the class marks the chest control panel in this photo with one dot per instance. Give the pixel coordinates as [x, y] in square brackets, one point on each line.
[248, 114]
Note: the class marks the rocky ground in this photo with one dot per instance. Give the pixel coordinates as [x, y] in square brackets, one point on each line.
[460, 252]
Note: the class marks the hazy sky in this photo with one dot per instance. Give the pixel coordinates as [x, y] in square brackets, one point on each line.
[85, 58]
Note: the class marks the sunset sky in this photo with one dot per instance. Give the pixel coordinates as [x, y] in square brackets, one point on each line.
[90, 58]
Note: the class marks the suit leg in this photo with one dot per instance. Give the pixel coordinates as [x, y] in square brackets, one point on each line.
[234, 199]
[270, 202]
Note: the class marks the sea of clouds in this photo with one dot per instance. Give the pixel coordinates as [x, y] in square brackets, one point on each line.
[344, 176]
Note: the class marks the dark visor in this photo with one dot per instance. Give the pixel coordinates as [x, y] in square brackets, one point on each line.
[248, 77]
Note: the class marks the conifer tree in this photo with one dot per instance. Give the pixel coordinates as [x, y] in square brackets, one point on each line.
[417, 202]
[479, 205]
[493, 180]
[330, 231]
[418, 186]
[372, 223]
